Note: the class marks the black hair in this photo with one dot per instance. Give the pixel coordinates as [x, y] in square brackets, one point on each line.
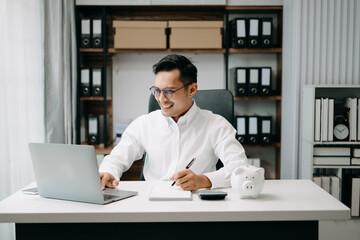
[188, 71]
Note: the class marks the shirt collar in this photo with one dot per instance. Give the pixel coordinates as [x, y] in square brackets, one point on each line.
[187, 117]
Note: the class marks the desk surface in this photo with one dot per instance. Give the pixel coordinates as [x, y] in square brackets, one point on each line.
[280, 200]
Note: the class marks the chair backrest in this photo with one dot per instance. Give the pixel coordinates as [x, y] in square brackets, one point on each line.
[219, 101]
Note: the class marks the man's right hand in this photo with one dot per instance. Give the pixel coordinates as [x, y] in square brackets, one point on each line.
[108, 180]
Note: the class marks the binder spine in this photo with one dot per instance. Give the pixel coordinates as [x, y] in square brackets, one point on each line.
[85, 82]
[85, 33]
[253, 130]
[97, 80]
[93, 130]
[266, 81]
[253, 83]
[241, 129]
[239, 33]
[97, 33]
[265, 129]
[266, 32]
[240, 75]
[253, 39]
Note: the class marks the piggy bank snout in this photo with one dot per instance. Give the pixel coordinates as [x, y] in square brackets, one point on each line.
[248, 186]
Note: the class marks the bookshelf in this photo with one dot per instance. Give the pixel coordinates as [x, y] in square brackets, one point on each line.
[102, 57]
[332, 150]
[270, 155]
[89, 57]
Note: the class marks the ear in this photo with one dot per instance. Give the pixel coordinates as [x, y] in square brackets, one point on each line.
[192, 89]
[238, 170]
[261, 171]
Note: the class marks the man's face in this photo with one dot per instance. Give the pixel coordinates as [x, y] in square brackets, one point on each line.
[181, 100]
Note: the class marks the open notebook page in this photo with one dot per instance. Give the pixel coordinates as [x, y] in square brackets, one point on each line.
[167, 193]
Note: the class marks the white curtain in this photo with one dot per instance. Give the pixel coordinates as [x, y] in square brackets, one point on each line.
[21, 94]
[60, 71]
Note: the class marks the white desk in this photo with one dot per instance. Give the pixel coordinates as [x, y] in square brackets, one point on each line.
[283, 207]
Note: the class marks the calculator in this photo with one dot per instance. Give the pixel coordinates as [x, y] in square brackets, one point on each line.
[212, 194]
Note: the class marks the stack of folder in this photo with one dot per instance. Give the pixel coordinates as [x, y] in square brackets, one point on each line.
[251, 33]
[91, 33]
[252, 81]
[254, 129]
[91, 80]
[325, 155]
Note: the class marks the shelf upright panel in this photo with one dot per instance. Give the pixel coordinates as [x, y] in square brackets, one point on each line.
[226, 41]
[104, 72]
[78, 113]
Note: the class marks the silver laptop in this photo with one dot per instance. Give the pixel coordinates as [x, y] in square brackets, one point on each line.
[70, 172]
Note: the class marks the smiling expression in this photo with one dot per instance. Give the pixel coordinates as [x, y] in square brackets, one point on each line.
[181, 100]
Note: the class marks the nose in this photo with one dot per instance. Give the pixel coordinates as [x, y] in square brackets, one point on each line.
[248, 186]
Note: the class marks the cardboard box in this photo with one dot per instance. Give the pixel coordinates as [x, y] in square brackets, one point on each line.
[195, 34]
[140, 34]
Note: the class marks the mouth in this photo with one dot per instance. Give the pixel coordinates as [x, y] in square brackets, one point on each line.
[166, 106]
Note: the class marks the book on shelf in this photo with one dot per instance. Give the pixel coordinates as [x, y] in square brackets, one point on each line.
[355, 161]
[355, 196]
[317, 120]
[351, 109]
[335, 187]
[331, 160]
[331, 120]
[356, 152]
[355, 158]
[332, 151]
[317, 180]
[324, 120]
[329, 183]
[347, 186]
[325, 183]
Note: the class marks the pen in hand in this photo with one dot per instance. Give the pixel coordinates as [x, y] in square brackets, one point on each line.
[187, 167]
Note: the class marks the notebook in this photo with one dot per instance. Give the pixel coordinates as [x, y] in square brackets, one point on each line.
[166, 193]
[70, 172]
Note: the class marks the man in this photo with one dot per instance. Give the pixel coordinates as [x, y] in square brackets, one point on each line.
[174, 135]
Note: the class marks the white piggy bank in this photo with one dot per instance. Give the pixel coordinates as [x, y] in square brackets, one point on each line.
[248, 181]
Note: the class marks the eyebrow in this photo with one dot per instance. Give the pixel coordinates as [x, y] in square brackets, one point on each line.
[166, 87]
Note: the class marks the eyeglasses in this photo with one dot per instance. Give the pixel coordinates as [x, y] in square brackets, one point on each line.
[166, 91]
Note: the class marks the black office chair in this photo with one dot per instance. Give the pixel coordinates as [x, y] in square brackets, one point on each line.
[219, 101]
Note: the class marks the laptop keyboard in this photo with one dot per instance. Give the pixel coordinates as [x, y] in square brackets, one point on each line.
[109, 197]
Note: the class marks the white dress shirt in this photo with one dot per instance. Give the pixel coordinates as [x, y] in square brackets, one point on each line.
[170, 146]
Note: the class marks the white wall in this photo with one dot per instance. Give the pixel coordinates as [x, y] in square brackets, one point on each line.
[133, 76]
